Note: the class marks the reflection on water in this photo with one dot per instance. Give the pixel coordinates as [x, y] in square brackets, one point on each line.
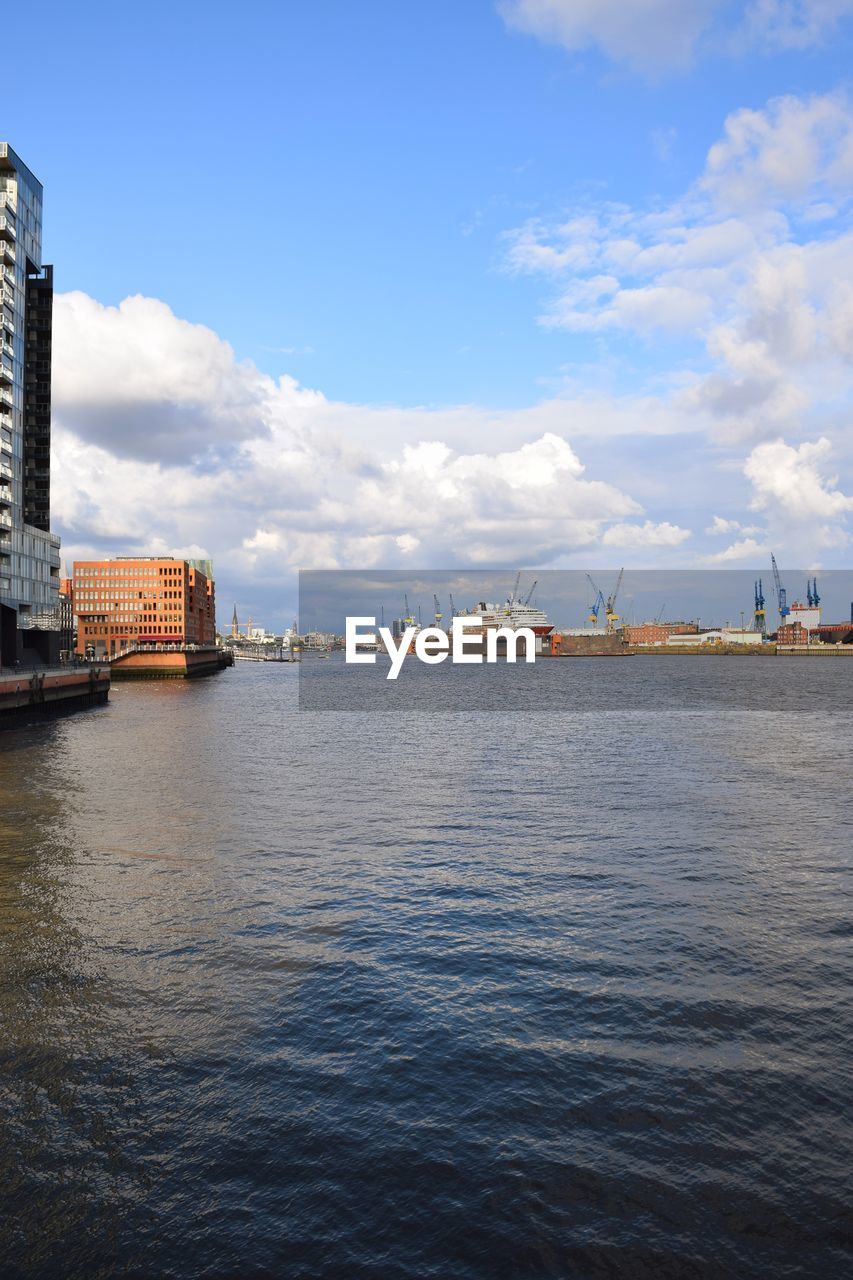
[483, 995]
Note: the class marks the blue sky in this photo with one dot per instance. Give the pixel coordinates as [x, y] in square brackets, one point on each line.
[417, 216]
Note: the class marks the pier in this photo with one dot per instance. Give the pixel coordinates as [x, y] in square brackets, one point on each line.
[168, 662]
[51, 690]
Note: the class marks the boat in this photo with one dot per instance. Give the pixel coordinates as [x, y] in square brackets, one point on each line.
[514, 613]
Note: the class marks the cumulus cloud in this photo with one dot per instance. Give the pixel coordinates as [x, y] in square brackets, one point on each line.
[648, 34]
[792, 24]
[720, 526]
[795, 150]
[150, 385]
[739, 266]
[647, 534]
[268, 477]
[745, 550]
[794, 481]
[654, 36]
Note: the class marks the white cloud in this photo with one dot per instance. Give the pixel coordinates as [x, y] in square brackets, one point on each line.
[792, 24]
[647, 534]
[150, 385]
[745, 549]
[738, 266]
[795, 150]
[300, 481]
[654, 36]
[720, 526]
[648, 34]
[792, 481]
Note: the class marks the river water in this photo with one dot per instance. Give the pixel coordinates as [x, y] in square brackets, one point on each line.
[559, 988]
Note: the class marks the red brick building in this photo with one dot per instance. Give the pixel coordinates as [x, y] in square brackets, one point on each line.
[792, 633]
[659, 632]
[145, 600]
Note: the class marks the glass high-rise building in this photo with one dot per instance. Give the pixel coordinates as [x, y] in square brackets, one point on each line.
[29, 553]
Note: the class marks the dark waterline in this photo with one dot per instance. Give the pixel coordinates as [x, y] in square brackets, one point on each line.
[557, 989]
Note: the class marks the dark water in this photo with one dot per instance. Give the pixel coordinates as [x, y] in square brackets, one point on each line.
[520, 994]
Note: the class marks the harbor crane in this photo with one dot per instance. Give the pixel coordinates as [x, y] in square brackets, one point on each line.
[407, 616]
[452, 606]
[610, 604]
[529, 595]
[759, 616]
[438, 615]
[599, 602]
[781, 593]
[515, 588]
[811, 593]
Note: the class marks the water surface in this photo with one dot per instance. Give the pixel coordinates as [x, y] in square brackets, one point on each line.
[559, 988]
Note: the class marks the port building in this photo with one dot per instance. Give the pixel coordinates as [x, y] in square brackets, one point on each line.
[658, 632]
[29, 552]
[142, 601]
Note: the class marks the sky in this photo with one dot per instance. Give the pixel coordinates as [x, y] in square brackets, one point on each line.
[552, 283]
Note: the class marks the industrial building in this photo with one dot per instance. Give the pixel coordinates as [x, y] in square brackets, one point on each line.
[658, 632]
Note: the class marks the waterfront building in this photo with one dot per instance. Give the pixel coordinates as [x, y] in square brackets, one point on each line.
[792, 633]
[142, 600]
[720, 636]
[808, 616]
[29, 553]
[658, 632]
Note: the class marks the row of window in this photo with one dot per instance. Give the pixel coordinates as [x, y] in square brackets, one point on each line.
[103, 594]
[94, 630]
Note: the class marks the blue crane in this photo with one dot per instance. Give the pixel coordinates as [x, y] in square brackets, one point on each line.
[760, 615]
[781, 593]
[599, 602]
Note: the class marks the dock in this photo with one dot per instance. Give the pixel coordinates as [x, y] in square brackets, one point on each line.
[51, 691]
[168, 662]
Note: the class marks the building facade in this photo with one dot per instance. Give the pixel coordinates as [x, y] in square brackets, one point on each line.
[144, 600]
[29, 553]
[659, 632]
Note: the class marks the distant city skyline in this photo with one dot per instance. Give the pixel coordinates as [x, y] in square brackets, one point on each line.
[530, 281]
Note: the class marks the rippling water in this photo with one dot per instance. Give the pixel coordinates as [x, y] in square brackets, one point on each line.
[526, 993]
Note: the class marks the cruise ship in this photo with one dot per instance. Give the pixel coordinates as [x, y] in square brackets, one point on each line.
[514, 613]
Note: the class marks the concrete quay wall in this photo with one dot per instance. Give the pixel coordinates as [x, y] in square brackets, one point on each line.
[24, 694]
[168, 664]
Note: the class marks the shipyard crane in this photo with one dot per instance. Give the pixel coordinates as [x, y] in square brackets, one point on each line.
[811, 593]
[515, 588]
[407, 617]
[529, 595]
[438, 615]
[452, 606]
[610, 607]
[660, 615]
[781, 593]
[599, 601]
[759, 616]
